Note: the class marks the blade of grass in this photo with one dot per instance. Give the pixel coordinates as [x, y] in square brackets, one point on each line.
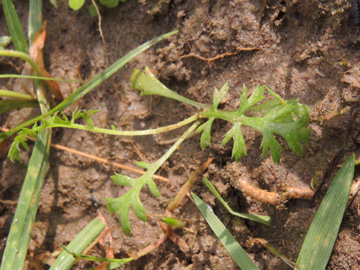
[20, 231]
[7, 105]
[232, 246]
[90, 85]
[36, 77]
[35, 18]
[14, 26]
[17, 95]
[320, 239]
[258, 218]
[79, 244]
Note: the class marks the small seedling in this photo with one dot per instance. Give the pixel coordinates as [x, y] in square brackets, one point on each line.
[287, 118]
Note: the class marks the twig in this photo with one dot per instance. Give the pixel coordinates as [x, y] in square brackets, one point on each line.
[218, 56]
[102, 160]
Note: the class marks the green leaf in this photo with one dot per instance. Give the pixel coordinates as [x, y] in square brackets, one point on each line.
[92, 10]
[14, 25]
[120, 262]
[122, 205]
[8, 105]
[219, 95]
[35, 19]
[76, 4]
[20, 232]
[320, 239]
[109, 3]
[232, 246]
[239, 147]
[4, 41]
[173, 222]
[54, 3]
[143, 164]
[205, 128]
[258, 218]
[149, 85]
[121, 180]
[78, 245]
[256, 96]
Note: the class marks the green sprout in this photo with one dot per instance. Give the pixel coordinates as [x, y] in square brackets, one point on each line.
[287, 118]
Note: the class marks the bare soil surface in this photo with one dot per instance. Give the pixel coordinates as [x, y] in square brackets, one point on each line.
[304, 49]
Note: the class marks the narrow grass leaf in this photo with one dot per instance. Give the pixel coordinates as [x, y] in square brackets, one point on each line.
[258, 218]
[90, 85]
[232, 246]
[320, 239]
[35, 18]
[20, 231]
[17, 95]
[8, 105]
[14, 25]
[87, 235]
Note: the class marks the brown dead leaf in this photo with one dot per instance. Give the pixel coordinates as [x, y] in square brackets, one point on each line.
[36, 53]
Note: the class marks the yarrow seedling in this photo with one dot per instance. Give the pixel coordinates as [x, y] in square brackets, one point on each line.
[287, 118]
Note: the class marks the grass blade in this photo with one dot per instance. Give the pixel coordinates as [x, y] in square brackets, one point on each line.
[258, 218]
[7, 105]
[90, 85]
[14, 26]
[320, 239]
[232, 246]
[20, 231]
[35, 18]
[17, 95]
[78, 245]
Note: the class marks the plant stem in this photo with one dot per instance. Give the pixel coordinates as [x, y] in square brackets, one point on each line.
[23, 56]
[155, 166]
[17, 95]
[130, 132]
[36, 77]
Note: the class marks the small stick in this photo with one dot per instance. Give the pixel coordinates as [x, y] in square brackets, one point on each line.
[102, 160]
[218, 56]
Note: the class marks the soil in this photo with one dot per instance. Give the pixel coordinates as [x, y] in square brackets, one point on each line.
[307, 50]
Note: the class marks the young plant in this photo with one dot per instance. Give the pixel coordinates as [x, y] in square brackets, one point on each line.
[276, 116]
[122, 204]
[287, 118]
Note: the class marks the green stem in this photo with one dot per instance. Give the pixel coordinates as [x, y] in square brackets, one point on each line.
[23, 56]
[155, 166]
[36, 77]
[17, 95]
[87, 87]
[130, 132]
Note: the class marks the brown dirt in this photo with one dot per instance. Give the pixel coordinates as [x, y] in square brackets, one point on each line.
[309, 50]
